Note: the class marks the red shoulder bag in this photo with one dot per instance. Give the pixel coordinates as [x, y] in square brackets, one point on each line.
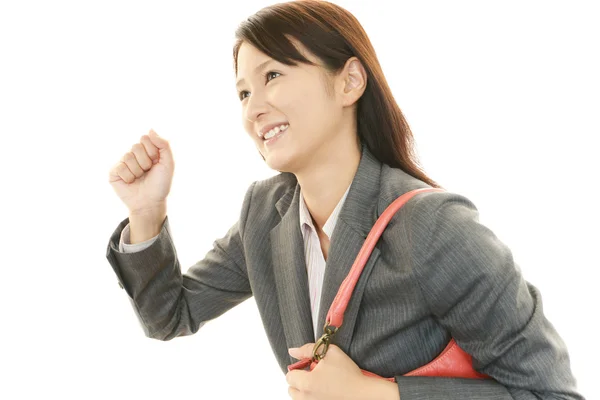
[451, 362]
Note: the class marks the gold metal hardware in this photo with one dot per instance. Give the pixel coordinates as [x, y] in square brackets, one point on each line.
[324, 342]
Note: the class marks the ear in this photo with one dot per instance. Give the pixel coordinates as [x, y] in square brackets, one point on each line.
[354, 81]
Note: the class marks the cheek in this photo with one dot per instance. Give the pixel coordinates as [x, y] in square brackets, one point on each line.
[307, 107]
[247, 125]
[301, 103]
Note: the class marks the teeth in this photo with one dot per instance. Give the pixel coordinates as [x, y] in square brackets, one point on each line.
[275, 131]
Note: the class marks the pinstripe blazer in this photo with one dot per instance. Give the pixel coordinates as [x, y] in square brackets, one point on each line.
[435, 273]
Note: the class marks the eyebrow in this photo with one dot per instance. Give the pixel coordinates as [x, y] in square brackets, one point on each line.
[260, 66]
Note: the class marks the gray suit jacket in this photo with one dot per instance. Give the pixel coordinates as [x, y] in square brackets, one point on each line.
[436, 272]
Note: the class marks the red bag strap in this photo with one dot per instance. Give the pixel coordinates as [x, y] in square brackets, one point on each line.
[335, 315]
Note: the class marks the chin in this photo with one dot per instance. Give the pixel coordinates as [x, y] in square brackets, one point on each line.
[278, 163]
[280, 167]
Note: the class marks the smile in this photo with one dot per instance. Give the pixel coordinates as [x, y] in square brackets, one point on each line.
[274, 137]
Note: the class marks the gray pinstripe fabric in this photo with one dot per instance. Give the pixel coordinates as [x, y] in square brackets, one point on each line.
[436, 272]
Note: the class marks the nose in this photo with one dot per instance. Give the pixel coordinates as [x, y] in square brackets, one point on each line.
[255, 107]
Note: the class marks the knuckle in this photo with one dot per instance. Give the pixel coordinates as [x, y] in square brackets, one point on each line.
[145, 166]
[147, 144]
[139, 172]
[137, 146]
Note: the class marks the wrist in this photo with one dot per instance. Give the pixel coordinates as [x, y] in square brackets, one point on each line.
[146, 224]
[155, 211]
[381, 389]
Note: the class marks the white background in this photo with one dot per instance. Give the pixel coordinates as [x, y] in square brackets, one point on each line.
[502, 98]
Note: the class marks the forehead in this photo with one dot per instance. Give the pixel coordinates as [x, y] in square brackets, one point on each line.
[250, 57]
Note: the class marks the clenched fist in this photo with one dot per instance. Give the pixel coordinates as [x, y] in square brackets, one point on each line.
[143, 177]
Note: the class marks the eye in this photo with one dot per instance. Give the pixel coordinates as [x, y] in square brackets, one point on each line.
[266, 76]
[269, 73]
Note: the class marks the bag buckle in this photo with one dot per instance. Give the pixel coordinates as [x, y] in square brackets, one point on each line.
[323, 342]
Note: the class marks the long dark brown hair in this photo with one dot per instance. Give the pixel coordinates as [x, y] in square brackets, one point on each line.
[334, 35]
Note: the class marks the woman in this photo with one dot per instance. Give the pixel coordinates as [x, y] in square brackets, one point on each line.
[317, 106]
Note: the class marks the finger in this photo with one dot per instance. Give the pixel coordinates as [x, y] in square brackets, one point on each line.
[164, 149]
[122, 171]
[113, 175]
[151, 149]
[305, 351]
[294, 393]
[142, 157]
[334, 349]
[132, 164]
[298, 379]
[158, 141]
[295, 352]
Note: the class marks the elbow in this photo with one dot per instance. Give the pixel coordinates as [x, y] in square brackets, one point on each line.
[172, 330]
[167, 326]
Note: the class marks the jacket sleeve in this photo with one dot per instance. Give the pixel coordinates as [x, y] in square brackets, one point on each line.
[169, 304]
[126, 247]
[475, 290]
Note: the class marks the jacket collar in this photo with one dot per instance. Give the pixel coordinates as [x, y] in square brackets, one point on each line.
[328, 228]
[357, 216]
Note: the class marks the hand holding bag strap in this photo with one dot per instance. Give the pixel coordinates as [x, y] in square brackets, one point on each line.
[452, 362]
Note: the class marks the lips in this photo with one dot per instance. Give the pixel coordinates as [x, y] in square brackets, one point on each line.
[276, 137]
[265, 129]
[277, 134]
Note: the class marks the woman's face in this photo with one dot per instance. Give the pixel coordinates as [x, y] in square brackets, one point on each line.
[298, 96]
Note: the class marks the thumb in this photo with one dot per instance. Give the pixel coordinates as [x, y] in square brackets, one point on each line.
[305, 351]
[164, 149]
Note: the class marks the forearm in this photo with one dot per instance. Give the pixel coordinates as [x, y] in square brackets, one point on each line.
[444, 388]
[380, 389]
[144, 225]
[388, 391]
[153, 280]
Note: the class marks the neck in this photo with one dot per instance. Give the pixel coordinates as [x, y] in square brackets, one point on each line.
[326, 180]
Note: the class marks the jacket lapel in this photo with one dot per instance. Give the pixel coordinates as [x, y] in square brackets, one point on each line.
[341, 258]
[289, 268]
[356, 218]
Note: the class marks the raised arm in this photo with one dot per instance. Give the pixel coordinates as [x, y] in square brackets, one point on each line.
[169, 304]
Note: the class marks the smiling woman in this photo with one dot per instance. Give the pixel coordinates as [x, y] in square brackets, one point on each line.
[315, 103]
[289, 65]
